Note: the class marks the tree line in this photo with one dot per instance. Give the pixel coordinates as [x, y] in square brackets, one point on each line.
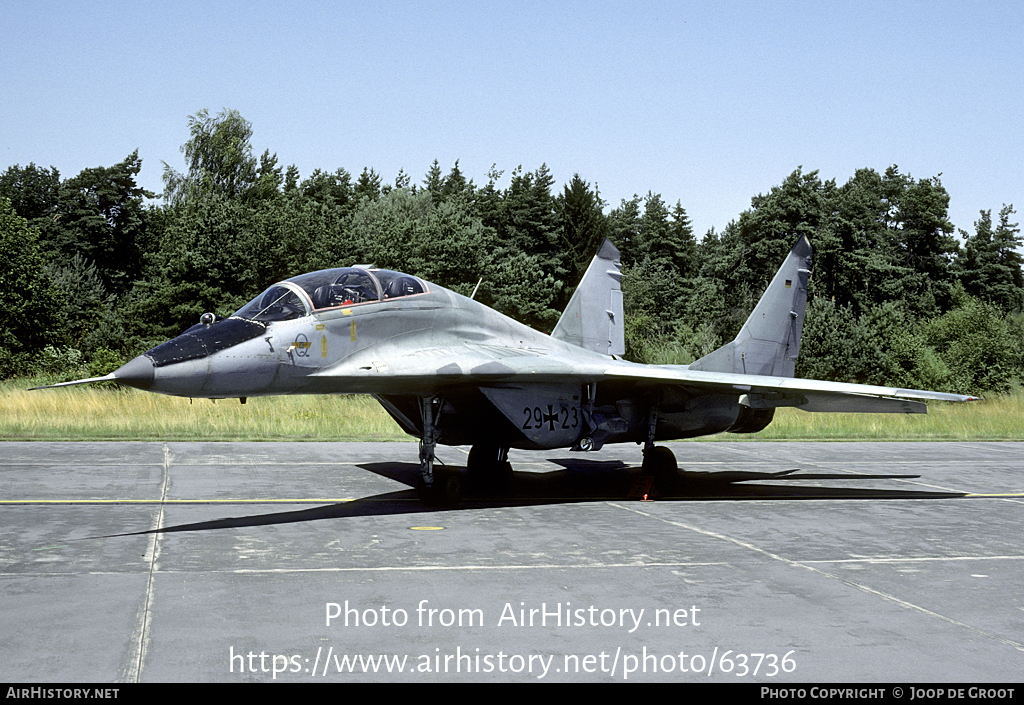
[96, 271]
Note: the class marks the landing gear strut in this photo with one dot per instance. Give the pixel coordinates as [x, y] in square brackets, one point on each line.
[435, 488]
[658, 460]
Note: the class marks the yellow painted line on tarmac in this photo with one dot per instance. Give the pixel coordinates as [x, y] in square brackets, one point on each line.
[176, 501]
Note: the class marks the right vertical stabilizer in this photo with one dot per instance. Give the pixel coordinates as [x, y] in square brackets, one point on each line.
[769, 341]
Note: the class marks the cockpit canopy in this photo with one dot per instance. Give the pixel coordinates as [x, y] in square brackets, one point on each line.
[328, 288]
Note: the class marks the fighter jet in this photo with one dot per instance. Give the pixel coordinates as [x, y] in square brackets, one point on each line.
[450, 370]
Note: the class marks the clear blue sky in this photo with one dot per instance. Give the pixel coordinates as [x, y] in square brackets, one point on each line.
[707, 103]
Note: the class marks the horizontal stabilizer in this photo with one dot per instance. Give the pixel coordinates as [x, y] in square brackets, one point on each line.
[840, 403]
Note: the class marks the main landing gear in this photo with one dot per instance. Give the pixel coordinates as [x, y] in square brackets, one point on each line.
[488, 465]
[659, 461]
[488, 468]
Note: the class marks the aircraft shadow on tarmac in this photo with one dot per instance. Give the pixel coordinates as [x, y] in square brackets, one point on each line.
[579, 481]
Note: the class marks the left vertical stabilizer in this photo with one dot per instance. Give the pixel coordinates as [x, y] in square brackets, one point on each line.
[593, 318]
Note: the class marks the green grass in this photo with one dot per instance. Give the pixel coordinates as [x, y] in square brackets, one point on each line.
[999, 418]
[93, 413]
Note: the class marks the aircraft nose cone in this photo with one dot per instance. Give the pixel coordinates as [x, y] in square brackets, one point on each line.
[137, 373]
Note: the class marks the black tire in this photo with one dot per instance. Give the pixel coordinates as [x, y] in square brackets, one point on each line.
[660, 462]
[485, 469]
[446, 490]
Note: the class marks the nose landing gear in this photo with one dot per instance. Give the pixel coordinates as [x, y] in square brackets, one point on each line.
[443, 488]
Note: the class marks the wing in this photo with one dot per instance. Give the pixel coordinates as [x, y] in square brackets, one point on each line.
[430, 370]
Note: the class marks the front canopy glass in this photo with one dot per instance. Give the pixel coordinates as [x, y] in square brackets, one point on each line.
[280, 302]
